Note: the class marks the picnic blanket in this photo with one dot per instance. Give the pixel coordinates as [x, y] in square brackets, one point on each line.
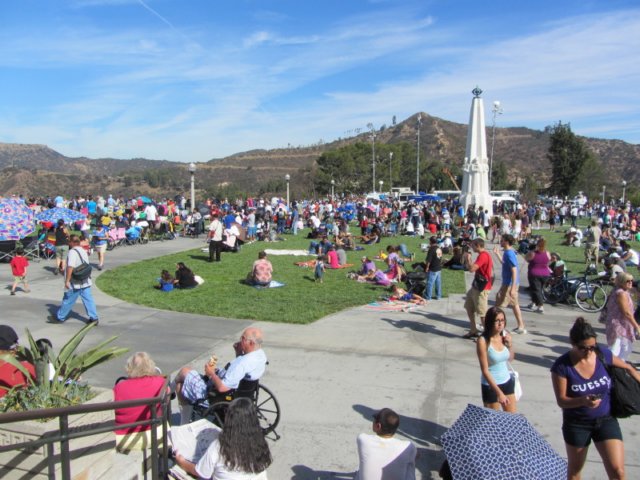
[273, 284]
[391, 306]
[299, 253]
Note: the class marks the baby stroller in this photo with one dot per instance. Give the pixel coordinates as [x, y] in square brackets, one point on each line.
[416, 282]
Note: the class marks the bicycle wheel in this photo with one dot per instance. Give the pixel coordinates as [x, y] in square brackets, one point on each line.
[590, 297]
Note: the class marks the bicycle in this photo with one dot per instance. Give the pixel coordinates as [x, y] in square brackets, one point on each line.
[587, 294]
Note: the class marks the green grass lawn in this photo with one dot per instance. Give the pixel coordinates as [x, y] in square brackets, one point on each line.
[223, 294]
[301, 300]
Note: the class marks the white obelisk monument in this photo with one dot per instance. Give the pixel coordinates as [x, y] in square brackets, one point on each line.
[475, 176]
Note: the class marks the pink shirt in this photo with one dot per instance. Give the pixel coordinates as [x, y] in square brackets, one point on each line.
[332, 255]
[133, 389]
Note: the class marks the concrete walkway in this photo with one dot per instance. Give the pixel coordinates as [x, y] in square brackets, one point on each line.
[331, 376]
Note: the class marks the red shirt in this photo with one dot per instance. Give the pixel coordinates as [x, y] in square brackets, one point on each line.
[10, 376]
[485, 267]
[19, 265]
[133, 389]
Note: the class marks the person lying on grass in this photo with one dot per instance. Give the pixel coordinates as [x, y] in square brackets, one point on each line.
[398, 293]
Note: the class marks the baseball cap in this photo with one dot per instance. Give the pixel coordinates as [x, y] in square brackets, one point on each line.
[8, 337]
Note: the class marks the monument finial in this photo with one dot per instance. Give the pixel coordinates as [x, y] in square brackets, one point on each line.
[476, 92]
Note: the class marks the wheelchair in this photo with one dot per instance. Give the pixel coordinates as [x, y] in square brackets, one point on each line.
[265, 401]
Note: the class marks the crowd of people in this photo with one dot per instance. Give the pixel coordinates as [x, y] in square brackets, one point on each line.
[579, 377]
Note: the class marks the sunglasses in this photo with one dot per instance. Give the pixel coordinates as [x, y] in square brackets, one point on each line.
[587, 348]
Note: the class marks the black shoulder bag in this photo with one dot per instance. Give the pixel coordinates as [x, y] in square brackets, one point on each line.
[479, 281]
[625, 391]
[82, 272]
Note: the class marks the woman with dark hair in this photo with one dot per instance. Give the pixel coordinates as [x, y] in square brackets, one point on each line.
[495, 351]
[239, 453]
[184, 278]
[583, 390]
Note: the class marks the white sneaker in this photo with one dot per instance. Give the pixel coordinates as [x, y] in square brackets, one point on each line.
[540, 309]
[530, 306]
[519, 331]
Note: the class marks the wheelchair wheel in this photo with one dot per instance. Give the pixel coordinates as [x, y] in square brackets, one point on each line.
[554, 293]
[217, 413]
[268, 409]
[590, 297]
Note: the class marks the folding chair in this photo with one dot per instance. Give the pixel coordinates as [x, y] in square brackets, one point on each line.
[7, 248]
[31, 248]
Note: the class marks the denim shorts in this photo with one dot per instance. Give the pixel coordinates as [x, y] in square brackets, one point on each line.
[489, 395]
[579, 433]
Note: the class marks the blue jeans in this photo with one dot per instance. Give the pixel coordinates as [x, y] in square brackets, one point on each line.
[434, 278]
[69, 299]
[404, 250]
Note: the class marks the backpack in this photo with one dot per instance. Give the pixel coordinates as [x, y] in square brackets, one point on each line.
[625, 393]
[82, 272]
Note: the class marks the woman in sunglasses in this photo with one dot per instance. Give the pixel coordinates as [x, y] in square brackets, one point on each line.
[582, 387]
[621, 325]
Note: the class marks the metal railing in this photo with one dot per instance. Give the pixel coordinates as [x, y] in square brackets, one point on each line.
[159, 458]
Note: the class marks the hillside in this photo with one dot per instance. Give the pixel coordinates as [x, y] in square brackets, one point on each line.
[40, 170]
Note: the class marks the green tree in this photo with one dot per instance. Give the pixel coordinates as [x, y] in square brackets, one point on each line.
[500, 177]
[592, 177]
[568, 155]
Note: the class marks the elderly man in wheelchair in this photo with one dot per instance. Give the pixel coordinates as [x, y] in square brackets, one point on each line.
[197, 391]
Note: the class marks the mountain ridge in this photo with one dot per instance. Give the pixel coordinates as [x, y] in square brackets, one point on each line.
[37, 169]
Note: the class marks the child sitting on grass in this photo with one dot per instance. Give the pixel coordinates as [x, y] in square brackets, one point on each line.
[165, 282]
[398, 293]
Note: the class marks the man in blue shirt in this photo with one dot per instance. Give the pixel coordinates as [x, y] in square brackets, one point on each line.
[507, 296]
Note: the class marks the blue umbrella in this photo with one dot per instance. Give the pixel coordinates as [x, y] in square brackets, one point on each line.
[16, 219]
[54, 214]
[145, 199]
[485, 444]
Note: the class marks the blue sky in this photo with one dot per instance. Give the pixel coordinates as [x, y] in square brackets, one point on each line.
[191, 80]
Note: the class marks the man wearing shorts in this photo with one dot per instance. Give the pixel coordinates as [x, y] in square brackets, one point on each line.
[507, 296]
[477, 300]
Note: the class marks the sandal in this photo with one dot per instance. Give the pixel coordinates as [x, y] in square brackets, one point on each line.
[469, 335]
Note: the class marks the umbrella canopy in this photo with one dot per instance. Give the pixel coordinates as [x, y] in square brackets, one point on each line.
[16, 219]
[145, 199]
[485, 444]
[54, 214]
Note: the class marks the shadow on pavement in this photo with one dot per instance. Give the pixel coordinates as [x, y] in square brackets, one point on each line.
[418, 327]
[419, 431]
[302, 472]
[464, 324]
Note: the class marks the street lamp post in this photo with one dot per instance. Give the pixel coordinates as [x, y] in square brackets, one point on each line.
[192, 171]
[333, 184]
[497, 110]
[287, 177]
[418, 156]
[604, 189]
[373, 155]
[390, 161]
[381, 182]
[624, 186]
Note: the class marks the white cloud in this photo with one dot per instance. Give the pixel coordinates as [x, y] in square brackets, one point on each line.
[163, 95]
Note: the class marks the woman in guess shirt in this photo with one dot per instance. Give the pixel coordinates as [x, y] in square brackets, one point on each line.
[582, 387]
